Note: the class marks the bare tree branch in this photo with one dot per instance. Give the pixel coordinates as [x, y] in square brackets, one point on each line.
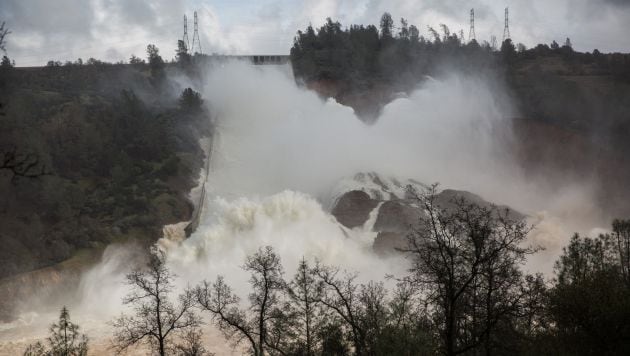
[3, 33]
[156, 319]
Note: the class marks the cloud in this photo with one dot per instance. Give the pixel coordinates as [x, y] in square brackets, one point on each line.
[68, 29]
[621, 3]
[42, 16]
[112, 30]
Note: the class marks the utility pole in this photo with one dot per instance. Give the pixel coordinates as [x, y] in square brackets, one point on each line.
[506, 29]
[471, 33]
[196, 38]
[185, 38]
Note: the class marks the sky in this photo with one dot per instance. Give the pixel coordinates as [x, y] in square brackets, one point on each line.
[113, 30]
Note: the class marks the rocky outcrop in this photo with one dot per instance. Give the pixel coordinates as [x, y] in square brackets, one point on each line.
[387, 243]
[40, 285]
[353, 208]
[446, 200]
[398, 212]
[395, 219]
[396, 216]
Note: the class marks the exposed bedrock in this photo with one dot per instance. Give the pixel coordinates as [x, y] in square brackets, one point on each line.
[353, 208]
[397, 211]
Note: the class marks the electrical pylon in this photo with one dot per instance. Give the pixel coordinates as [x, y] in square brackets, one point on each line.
[185, 38]
[196, 38]
[471, 33]
[506, 29]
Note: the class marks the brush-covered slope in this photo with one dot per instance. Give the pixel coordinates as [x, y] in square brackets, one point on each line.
[92, 154]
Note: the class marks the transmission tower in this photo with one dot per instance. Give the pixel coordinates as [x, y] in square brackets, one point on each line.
[493, 42]
[506, 29]
[196, 38]
[471, 33]
[185, 38]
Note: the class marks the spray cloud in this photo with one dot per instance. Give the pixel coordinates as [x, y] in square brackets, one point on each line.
[279, 153]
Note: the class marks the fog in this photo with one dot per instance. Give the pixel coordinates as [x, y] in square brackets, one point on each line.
[448, 130]
[280, 153]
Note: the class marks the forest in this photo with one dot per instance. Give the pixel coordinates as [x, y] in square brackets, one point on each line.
[365, 56]
[93, 153]
[571, 108]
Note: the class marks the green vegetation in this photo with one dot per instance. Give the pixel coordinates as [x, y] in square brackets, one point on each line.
[362, 57]
[157, 322]
[572, 113]
[93, 153]
[549, 82]
[590, 304]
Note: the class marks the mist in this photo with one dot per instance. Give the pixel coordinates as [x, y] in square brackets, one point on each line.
[455, 130]
[280, 161]
[281, 155]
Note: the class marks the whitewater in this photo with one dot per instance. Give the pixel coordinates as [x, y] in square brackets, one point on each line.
[281, 156]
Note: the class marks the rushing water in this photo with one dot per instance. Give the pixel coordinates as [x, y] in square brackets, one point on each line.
[281, 156]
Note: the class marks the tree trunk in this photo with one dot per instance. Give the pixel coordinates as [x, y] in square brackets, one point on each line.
[162, 352]
[450, 331]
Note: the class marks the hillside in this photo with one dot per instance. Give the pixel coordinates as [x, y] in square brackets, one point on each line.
[90, 155]
[572, 113]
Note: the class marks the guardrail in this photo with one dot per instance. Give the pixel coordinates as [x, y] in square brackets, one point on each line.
[255, 59]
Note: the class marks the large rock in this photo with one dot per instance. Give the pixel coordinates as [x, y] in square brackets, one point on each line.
[387, 243]
[447, 199]
[396, 216]
[398, 211]
[353, 208]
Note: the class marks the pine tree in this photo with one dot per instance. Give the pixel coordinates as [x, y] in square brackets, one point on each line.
[304, 292]
[64, 339]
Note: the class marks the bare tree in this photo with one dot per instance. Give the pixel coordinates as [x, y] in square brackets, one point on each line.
[465, 262]
[264, 323]
[365, 312]
[340, 294]
[4, 31]
[190, 344]
[3, 34]
[36, 349]
[408, 330]
[621, 234]
[156, 321]
[533, 318]
[374, 313]
[218, 299]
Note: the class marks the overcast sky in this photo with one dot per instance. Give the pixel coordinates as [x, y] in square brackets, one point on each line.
[112, 30]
